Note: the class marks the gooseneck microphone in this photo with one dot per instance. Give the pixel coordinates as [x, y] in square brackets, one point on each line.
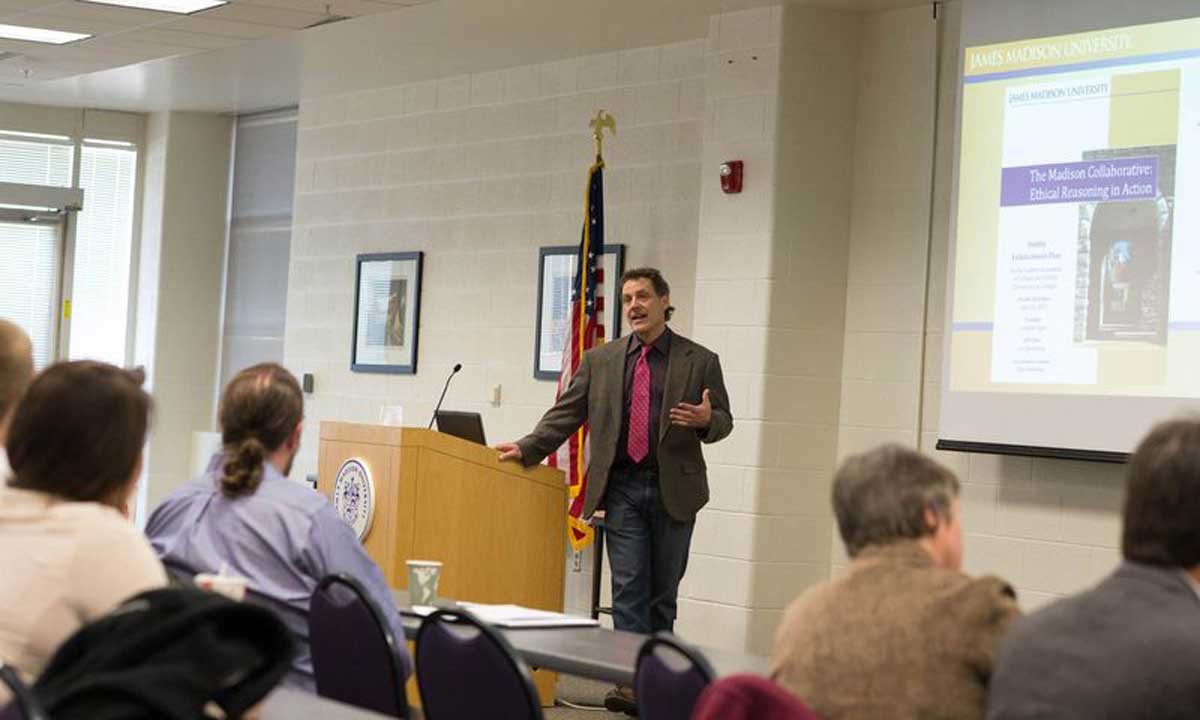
[457, 367]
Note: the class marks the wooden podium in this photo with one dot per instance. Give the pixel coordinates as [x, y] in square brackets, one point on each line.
[499, 529]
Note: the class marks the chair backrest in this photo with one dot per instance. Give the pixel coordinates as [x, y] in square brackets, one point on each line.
[467, 670]
[669, 678]
[294, 619]
[356, 658]
[22, 705]
[750, 697]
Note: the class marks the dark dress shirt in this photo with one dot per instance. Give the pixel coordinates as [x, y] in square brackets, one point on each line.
[657, 360]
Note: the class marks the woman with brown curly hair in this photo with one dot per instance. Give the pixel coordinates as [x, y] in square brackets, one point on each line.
[68, 553]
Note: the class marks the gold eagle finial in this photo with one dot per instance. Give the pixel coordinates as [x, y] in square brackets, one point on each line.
[598, 124]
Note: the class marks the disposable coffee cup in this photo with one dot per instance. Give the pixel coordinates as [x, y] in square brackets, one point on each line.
[231, 586]
[423, 581]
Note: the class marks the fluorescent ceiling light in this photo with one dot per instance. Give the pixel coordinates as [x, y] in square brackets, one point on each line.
[179, 7]
[39, 35]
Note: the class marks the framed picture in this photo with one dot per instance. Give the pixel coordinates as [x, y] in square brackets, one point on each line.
[387, 313]
[556, 273]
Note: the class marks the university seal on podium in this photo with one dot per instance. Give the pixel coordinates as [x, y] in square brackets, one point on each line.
[354, 496]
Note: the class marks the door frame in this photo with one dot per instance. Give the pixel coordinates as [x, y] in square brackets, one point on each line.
[47, 205]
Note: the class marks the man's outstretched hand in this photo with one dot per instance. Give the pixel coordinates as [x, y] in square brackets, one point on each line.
[693, 416]
[509, 451]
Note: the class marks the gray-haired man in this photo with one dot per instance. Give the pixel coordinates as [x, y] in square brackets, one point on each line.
[903, 633]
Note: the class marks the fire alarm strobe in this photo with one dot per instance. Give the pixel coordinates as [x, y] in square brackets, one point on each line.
[731, 176]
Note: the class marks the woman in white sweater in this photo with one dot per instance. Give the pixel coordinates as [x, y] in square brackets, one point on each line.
[68, 553]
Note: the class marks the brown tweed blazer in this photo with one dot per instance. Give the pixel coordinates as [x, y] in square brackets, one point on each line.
[596, 394]
[894, 638]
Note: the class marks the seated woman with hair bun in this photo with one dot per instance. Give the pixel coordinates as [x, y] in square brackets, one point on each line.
[245, 516]
[68, 553]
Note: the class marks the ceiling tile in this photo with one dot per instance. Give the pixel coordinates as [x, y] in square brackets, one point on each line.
[226, 28]
[9, 76]
[259, 15]
[87, 53]
[128, 17]
[129, 43]
[12, 69]
[54, 22]
[10, 6]
[200, 41]
[346, 8]
[29, 48]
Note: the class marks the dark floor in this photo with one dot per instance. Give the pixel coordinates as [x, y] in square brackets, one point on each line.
[581, 692]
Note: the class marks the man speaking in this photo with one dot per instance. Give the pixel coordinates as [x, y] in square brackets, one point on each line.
[651, 398]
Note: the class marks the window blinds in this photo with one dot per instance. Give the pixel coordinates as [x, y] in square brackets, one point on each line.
[103, 248]
[28, 273]
[29, 254]
[41, 161]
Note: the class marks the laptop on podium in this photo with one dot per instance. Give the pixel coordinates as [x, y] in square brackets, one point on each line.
[465, 425]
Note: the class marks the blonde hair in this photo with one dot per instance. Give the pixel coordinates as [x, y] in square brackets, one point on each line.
[16, 366]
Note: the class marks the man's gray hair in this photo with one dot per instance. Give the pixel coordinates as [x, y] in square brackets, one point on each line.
[881, 496]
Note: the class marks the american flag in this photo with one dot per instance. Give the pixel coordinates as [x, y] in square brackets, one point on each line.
[585, 329]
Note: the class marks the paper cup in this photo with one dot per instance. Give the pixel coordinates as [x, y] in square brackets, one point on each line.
[423, 581]
[231, 586]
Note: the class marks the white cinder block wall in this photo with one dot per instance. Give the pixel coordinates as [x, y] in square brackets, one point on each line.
[885, 296]
[813, 285]
[734, 264]
[184, 219]
[1050, 527]
[479, 171]
[770, 290]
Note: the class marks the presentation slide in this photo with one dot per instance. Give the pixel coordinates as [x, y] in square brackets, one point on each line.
[1076, 268]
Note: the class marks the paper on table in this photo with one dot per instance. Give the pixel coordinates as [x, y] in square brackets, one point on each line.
[515, 616]
[561, 621]
[420, 610]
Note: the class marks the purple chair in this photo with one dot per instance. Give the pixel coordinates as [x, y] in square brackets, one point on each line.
[669, 678]
[466, 671]
[23, 706]
[356, 659]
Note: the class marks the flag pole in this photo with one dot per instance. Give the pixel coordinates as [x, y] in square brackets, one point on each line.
[579, 531]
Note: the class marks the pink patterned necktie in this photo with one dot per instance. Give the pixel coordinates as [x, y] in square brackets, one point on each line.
[639, 410]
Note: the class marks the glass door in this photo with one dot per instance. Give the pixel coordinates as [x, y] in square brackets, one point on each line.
[31, 250]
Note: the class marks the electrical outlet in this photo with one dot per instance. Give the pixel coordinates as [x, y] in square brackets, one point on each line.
[496, 394]
[576, 562]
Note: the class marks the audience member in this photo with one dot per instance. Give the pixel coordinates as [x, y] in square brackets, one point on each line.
[903, 633]
[67, 556]
[16, 371]
[245, 516]
[1128, 648]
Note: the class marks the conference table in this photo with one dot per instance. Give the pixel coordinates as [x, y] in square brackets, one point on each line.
[589, 652]
[596, 653]
[288, 704]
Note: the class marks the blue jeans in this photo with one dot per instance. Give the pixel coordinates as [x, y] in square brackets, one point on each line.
[647, 552]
